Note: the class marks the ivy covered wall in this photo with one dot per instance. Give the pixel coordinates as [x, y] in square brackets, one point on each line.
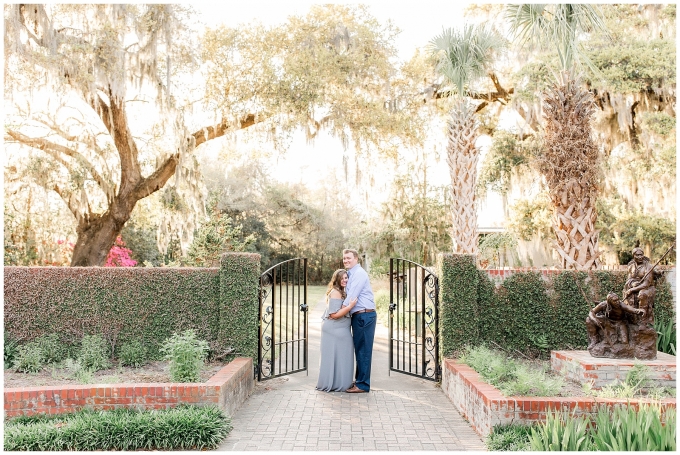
[145, 304]
[528, 311]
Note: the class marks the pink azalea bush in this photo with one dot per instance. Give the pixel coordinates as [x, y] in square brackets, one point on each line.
[119, 256]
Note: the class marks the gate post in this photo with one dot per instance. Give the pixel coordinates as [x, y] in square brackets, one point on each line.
[458, 314]
[239, 304]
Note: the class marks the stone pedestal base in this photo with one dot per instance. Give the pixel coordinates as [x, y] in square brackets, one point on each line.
[581, 367]
[641, 343]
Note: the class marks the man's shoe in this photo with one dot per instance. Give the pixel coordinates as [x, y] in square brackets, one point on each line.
[355, 389]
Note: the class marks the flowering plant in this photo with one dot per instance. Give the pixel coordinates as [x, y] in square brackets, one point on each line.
[119, 255]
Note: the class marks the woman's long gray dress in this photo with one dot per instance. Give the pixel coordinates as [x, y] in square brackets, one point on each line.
[337, 351]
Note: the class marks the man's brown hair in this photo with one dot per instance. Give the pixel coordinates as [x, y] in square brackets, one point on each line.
[354, 252]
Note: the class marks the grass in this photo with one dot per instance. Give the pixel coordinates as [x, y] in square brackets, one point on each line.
[382, 306]
[285, 322]
[511, 376]
[315, 294]
[181, 428]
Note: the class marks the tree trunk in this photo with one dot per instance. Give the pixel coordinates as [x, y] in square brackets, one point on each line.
[98, 233]
[569, 163]
[462, 157]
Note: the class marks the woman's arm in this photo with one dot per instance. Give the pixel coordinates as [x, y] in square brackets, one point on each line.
[342, 312]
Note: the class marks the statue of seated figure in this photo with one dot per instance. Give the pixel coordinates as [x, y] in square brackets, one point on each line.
[607, 326]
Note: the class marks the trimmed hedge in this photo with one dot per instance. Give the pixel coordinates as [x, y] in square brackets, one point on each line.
[131, 304]
[239, 304]
[458, 308]
[527, 311]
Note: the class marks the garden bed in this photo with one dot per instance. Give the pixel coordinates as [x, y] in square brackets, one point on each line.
[485, 407]
[60, 374]
[228, 388]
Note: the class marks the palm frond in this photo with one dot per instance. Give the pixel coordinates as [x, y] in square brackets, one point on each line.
[465, 56]
[557, 26]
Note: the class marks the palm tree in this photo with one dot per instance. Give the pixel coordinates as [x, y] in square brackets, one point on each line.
[462, 58]
[569, 159]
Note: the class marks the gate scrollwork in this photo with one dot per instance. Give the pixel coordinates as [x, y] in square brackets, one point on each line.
[283, 331]
[413, 323]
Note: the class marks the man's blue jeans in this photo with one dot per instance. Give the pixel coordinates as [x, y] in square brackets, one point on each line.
[363, 332]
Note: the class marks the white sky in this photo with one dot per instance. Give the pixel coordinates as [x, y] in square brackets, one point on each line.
[418, 21]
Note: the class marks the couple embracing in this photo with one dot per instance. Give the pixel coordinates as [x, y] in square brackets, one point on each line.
[350, 305]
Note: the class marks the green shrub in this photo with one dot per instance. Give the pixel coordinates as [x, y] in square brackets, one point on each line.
[638, 376]
[186, 354]
[512, 377]
[475, 309]
[623, 428]
[52, 348]
[10, 349]
[513, 438]
[32, 357]
[181, 428]
[29, 358]
[133, 353]
[66, 369]
[84, 376]
[94, 353]
[458, 302]
[561, 432]
[628, 429]
[666, 336]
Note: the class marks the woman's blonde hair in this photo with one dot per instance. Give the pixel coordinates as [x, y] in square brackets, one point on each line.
[336, 279]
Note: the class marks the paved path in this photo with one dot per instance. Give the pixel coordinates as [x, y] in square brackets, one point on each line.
[400, 413]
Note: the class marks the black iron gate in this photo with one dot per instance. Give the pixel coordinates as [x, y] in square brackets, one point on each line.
[283, 337]
[414, 320]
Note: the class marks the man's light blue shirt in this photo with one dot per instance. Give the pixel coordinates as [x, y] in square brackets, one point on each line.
[359, 286]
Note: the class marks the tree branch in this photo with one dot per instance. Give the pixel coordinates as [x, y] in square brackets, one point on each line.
[67, 197]
[130, 172]
[211, 132]
[55, 150]
[501, 95]
[158, 179]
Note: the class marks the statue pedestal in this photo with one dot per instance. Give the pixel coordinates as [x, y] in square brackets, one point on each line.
[583, 368]
[641, 344]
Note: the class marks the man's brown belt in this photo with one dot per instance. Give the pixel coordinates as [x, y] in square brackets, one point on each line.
[363, 311]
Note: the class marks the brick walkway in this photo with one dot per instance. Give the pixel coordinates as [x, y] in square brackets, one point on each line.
[400, 413]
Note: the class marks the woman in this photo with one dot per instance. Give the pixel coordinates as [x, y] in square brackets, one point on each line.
[337, 348]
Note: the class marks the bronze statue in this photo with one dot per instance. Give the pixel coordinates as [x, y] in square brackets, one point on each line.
[639, 290]
[614, 312]
[624, 329]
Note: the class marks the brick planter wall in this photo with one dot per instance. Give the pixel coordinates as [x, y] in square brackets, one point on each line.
[581, 367]
[484, 406]
[228, 389]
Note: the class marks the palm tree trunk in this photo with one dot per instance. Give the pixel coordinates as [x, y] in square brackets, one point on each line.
[570, 166]
[462, 160]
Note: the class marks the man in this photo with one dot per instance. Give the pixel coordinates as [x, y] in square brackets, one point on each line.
[636, 292]
[613, 310]
[363, 319]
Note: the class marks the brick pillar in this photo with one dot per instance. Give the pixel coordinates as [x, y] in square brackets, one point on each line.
[458, 312]
[239, 305]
